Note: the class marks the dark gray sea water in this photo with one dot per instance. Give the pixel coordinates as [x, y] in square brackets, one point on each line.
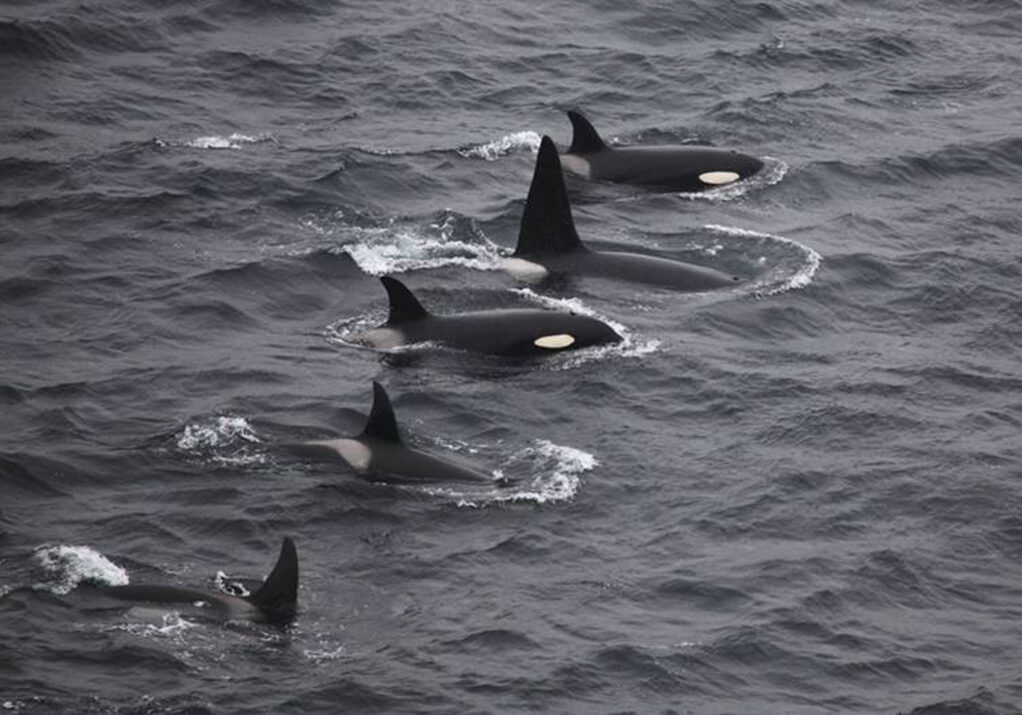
[802, 495]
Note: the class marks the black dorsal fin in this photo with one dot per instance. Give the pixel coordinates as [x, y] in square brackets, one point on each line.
[278, 596]
[404, 307]
[547, 226]
[381, 423]
[584, 139]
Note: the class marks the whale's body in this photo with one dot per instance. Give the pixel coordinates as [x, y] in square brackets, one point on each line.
[675, 167]
[273, 602]
[514, 332]
[549, 243]
[380, 454]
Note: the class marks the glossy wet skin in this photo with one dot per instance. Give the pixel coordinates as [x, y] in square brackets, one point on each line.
[677, 168]
[497, 332]
[674, 167]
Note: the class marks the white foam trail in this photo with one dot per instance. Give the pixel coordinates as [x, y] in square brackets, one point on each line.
[555, 475]
[491, 151]
[73, 564]
[167, 625]
[558, 473]
[765, 285]
[381, 252]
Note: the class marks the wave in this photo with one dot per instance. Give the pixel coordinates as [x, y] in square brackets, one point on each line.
[788, 272]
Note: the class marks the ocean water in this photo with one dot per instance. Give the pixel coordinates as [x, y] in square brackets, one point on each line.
[802, 495]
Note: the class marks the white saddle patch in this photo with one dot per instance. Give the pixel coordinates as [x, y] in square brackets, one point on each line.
[577, 165]
[355, 453]
[524, 270]
[719, 178]
[382, 338]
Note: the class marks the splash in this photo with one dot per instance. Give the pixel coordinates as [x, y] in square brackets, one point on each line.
[780, 278]
[225, 440]
[235, 588]
[232, 141]
[449, 240]
[491, 151]
[71, 565]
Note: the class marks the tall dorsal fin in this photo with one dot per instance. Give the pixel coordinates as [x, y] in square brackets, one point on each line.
[404, 307]
[584, 139]
[278, 596]
[381, 423]
[547, 226]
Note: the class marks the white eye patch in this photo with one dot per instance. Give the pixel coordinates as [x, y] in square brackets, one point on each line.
[718, 178]
[554, 342]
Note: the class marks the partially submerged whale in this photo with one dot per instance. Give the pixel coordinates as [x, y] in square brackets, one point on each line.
[513, 332]
[273, 602]
[379, 453]
[675, 167]
[549, 244]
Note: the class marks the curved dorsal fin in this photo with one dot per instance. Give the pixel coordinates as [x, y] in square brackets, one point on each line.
[278, 596]
[584, 139]
[547, 226]
[381, 423]
[404, 307]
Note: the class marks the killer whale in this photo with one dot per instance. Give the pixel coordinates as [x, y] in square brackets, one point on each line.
[379, 453]
[675, 167]
[273, 602]
[513, 332]
[548, 242]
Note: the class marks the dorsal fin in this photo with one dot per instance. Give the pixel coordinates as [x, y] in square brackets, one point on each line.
[584, 139]
[547, 226]
[381, 423]
[278, 596]
[404, 307]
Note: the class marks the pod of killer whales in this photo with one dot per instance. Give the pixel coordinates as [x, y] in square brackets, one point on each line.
[548, 245]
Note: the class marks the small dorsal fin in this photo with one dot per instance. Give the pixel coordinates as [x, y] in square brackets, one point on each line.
[584, 139]
[547, 226]
[278, 596]
[381, 423]
[404, 307]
